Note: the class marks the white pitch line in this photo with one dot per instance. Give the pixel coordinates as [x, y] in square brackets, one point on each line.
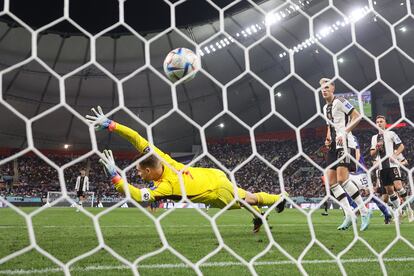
[146, 226]
[211, 264]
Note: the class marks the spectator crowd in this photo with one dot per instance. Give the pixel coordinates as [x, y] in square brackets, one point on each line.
[33, 177]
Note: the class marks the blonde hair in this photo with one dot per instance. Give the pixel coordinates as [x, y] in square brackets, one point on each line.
[326, 80]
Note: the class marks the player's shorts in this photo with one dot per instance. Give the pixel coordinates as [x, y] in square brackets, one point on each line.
[337, 154]
[80, 193]
[352, 165]
[222, 195]
[381, 190]
[154, 204]
[403, 175]
[389, 175]
[361, 180]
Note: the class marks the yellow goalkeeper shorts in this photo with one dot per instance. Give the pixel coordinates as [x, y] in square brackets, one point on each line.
[223, 194]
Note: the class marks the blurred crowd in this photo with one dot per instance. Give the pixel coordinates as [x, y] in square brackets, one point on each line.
[30, 176]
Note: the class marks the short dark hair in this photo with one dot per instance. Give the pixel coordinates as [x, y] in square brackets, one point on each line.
[150, 162]
[380, 117]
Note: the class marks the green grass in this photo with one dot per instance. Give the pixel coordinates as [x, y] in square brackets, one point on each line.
[66, 234]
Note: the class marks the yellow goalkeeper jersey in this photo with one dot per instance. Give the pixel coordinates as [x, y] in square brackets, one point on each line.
[199, 183]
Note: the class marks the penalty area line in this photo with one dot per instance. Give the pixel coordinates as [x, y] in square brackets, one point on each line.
[211, 264]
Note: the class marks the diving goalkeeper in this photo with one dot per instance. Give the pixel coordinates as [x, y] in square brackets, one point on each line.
[204, 185]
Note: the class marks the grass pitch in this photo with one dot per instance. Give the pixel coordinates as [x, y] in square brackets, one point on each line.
[66, 234]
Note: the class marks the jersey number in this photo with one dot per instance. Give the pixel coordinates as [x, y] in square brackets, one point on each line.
[364, 181]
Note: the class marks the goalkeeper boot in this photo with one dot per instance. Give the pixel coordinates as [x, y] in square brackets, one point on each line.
[257, 223]
[346, 223]
[281, 206]
[365, 221]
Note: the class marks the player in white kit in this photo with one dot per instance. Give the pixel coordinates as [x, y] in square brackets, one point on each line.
[360, 177]
[342, 118]
[385, 147]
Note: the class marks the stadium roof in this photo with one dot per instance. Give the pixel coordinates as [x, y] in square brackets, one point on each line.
[31, 89]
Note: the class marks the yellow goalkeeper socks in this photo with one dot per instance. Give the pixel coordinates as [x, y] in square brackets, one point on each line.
[265, 199]
[256, 209]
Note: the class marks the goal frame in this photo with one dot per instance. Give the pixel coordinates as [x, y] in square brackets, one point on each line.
[90, 197]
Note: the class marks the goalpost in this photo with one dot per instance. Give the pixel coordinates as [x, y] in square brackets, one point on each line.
[230, 38]
[52, 196]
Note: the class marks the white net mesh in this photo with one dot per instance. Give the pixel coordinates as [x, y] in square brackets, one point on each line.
[223, 37]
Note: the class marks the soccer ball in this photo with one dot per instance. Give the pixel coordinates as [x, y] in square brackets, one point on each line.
[179, 63]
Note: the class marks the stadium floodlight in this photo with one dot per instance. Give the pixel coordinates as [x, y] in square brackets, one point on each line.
[357, 14]
[327, 30]
[340, 60]
[324, 31]
[65, 146]
[270, 19]
[221, 125]
[278, 94]
[403, 29]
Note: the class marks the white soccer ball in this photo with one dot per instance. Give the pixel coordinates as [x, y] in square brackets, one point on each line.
[179, 63]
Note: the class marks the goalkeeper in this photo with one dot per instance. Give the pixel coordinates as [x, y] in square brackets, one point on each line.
[204, 185]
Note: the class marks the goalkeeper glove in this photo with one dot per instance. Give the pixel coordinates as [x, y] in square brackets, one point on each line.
[109, 163]
[101, 121]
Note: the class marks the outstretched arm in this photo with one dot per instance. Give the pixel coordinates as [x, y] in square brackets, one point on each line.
[132, 136]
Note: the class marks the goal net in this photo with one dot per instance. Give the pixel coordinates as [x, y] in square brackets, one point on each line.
[260, 65]
[52, 196]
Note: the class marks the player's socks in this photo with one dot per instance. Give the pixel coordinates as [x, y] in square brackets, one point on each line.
[410, 213]
[265, 199]
[340, 195]
[351, 201]
[382, 207]
[395, 200]
[403, 195]
[257, 209]
[353, 191]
